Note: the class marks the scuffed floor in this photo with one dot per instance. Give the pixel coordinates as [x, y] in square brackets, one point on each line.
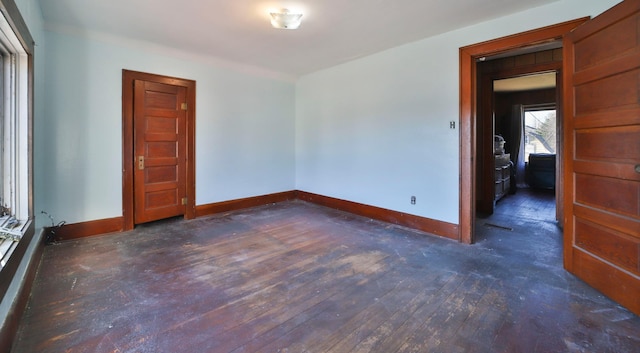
[296, 277]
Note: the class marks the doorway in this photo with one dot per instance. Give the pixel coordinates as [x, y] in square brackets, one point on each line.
[158, 147]
[470, 109]
[514, 84]
[600, 228]
[517, 176]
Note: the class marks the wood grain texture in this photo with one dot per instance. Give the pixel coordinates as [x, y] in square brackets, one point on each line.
[469, 109]
[104, 226]
[247, 202]
[602, 134]
[444, 229]
[298, 277]
[485, 187]
[160, 139]
[90, 228]
[128, 79]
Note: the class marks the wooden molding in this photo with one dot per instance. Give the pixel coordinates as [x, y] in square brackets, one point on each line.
[87, 229]
[488, 72]
[111, 225]
[443, 229]
[468, 109]
[238, 204]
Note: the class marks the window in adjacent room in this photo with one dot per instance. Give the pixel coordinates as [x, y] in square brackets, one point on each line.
[539, 131]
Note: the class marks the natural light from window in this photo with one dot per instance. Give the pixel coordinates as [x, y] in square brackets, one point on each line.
[540, 132]
[15, 213]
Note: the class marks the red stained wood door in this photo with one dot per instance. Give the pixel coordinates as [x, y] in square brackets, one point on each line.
[602, 153]
[159, 150]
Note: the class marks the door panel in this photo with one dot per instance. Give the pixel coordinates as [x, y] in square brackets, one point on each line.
[607, 194]
[602, 135]
[609, 92]
[607, 243]
[616, 38]
[159, 139]
[621, 142]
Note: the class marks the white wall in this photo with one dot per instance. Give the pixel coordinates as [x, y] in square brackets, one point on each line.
[244, 123]
[376, 130]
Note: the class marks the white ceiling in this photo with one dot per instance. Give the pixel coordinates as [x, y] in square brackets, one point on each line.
[238, 31]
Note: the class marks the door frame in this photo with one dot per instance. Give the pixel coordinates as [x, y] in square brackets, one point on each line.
[469, 111]
[128, 196]
[487, 109]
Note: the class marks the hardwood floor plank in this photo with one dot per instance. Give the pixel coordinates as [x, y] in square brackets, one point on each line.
[270, 331]
[334, 315]
[394, 332]
[275, 303]
[449, 315]
[369, 334]
[407, 330]
[297, 277]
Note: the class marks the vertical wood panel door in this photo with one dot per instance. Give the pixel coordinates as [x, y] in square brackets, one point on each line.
[159, 150]
[602, 153]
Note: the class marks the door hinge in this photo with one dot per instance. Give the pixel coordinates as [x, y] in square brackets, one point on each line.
[183, 106]
[184, 200]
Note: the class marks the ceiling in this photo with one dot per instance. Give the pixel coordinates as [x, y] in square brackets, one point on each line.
[526, 83]
[239, 31]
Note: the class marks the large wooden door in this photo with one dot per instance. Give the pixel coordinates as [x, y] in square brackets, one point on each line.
[160, 150]
[602, 153]
[156, 126]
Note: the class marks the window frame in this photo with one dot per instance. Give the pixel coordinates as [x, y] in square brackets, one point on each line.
[25, 74]
[538, 108]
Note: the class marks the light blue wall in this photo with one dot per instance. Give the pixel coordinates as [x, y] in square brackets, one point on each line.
[376, 130]
[244, 127]
[30, 10]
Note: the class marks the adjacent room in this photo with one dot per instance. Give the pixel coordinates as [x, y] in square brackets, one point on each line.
[320, 176]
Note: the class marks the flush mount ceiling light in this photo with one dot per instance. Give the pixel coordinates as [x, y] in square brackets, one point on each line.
[284, 19]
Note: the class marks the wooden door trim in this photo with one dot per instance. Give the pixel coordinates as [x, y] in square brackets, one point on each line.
[468, 109]
[128, 78]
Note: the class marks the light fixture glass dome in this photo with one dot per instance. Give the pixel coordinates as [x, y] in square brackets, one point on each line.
[285, 19]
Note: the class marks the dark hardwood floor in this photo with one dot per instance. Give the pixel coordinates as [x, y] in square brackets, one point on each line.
[296, 277]
[529, 204]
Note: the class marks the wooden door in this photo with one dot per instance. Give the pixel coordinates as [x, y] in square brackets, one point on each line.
[602, 153]
[160, 150]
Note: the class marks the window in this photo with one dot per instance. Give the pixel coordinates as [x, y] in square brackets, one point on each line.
[539, 130]
[15, 144]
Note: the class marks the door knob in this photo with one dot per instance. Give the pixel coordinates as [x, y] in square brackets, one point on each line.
[141, 162]
[637, 168]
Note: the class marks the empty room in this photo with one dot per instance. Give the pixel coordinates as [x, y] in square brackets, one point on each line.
[320, 176]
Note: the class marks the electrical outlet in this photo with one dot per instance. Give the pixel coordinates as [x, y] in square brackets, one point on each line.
[413, 200]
